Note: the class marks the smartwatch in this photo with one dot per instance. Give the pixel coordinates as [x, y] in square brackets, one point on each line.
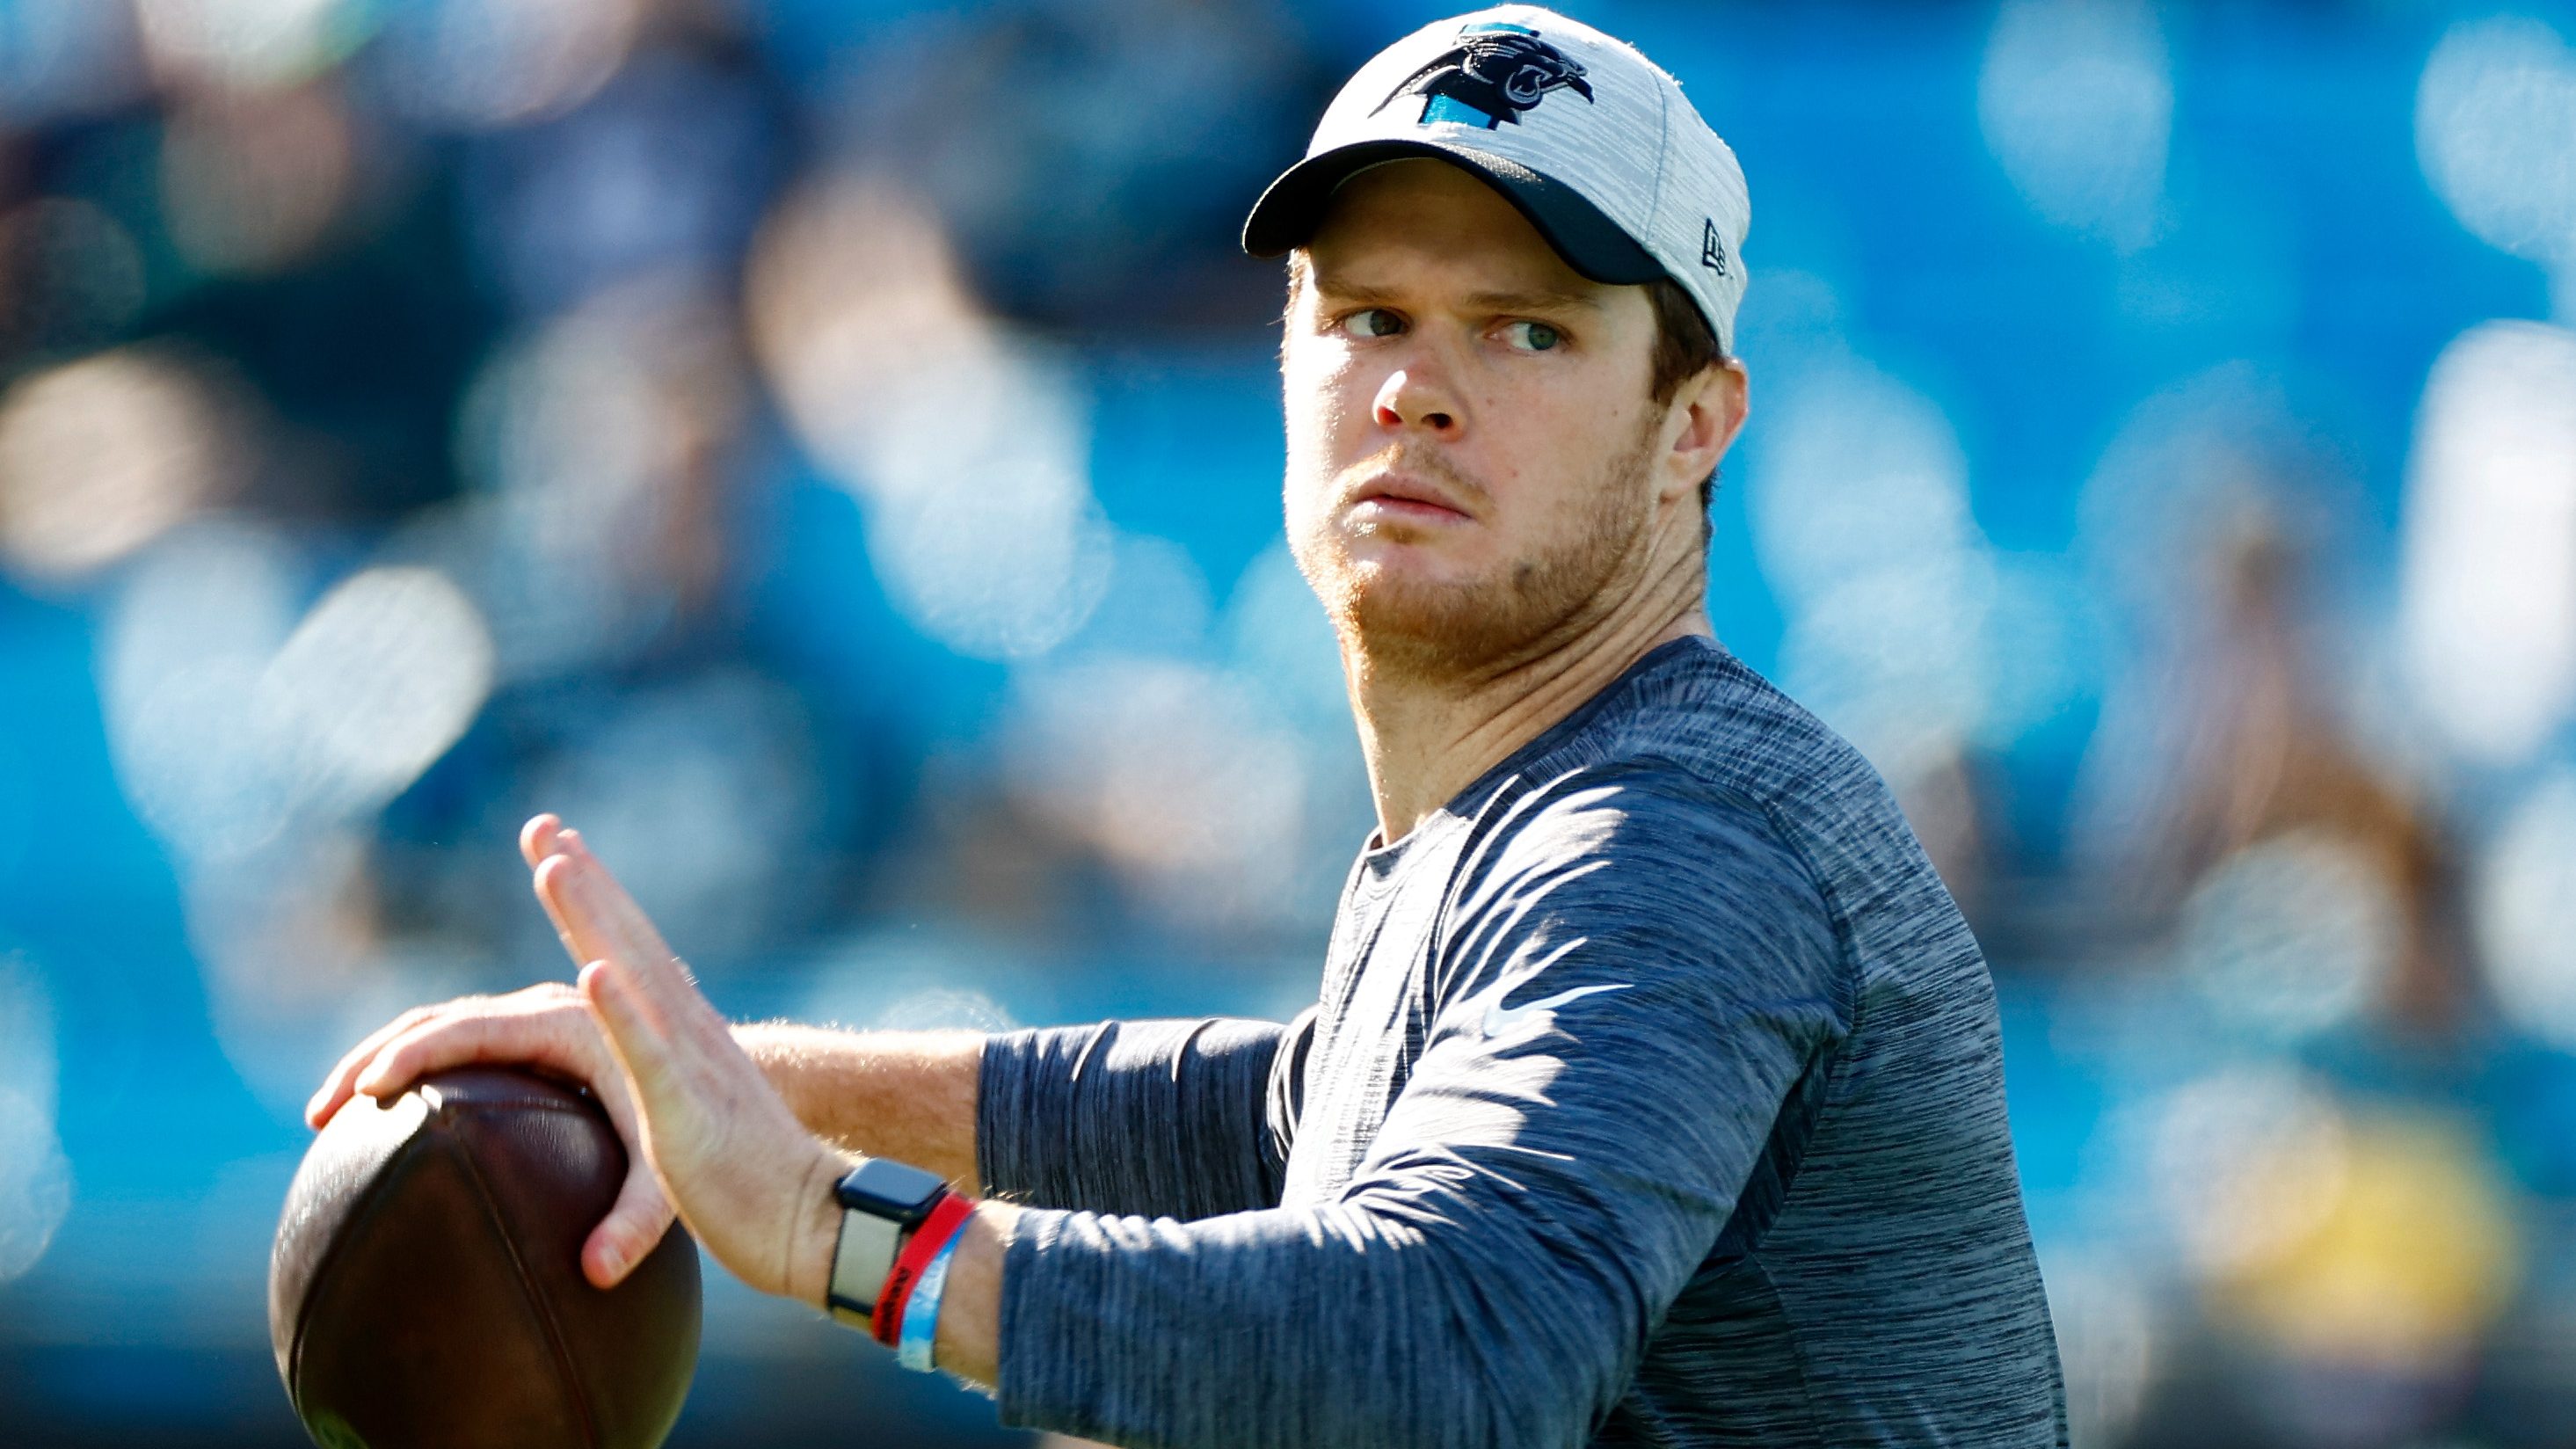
[881, 1202]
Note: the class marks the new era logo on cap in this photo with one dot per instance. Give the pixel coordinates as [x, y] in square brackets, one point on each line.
[1590, 140]
[1712, 248]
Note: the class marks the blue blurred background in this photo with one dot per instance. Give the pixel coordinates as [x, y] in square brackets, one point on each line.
[829, 450]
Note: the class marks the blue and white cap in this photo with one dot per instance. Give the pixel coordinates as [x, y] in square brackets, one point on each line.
[1593, 142]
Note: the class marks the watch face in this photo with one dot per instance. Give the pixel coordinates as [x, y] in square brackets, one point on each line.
[888, 1189]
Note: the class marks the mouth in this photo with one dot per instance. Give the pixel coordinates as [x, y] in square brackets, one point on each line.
[1388, 497]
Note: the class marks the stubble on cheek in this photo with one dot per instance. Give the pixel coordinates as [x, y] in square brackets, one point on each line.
[1414, 615]
[1415, 622]
[1316, 414]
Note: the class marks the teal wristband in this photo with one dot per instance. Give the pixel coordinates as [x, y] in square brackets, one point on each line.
[921, 1311]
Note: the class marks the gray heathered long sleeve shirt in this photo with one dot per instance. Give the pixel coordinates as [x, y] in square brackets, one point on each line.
[1654, 1097]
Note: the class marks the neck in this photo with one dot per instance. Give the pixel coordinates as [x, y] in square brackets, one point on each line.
[1427, 738]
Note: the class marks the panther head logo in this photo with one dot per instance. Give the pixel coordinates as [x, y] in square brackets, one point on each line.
[1490, 77]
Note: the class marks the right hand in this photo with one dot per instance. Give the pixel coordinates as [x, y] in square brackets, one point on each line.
[546, 1026]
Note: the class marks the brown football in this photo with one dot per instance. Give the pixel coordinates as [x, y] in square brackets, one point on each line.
[426, 1286]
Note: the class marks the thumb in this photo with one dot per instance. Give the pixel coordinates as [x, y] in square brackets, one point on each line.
[634, 1227]
[642, 1213]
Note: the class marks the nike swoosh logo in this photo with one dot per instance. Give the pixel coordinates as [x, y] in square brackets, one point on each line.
[1500, 1018]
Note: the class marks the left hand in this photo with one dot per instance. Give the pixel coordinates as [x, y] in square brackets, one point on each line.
[744, 1174]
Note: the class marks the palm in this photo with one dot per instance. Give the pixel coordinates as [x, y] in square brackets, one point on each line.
[742, 1172]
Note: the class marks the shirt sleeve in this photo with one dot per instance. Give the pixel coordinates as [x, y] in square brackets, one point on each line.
[1156, 1118]
[1633, 999]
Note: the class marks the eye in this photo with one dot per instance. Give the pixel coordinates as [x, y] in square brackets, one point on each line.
[1373, 322]
[1531, 336]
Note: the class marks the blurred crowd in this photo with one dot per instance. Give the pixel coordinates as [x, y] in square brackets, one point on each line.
[828, 450]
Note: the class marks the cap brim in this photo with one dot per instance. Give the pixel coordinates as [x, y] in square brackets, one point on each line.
[1287, 214]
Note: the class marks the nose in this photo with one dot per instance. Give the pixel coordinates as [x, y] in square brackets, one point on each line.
[1414, 397]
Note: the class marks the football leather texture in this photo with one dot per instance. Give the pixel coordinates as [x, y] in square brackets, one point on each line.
[426, 1286]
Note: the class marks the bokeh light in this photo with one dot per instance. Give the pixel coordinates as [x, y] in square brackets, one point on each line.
[296, 959]
[485, 63]
[2291, 935]
[2109, 1341]
[372, 687]
[967, 443]
[1905, 629]
[590, 442]
[2494, 116]
[2248, 1161]
[100, 456]
[2489, 625]
[1171, 772]
[2076, 98]
[251, 181]
[913, 980]
[2526, 910]
[248, 43]
[663, 171]
[35, 1178]
[697, 791]
[1282, 644]
[2402, 1253]
[194, 625]
[233, 719]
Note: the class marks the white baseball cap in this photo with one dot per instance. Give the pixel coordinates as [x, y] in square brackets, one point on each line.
[1593, 142]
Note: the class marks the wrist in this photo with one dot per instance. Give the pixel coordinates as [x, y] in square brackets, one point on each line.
[883, 1204]
[815, 1232]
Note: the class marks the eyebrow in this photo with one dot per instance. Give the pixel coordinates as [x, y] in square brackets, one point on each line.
[1526, 299]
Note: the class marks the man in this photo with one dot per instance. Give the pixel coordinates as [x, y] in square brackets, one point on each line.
[1654, 1092]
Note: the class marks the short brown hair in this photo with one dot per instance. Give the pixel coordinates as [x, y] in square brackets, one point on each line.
[1684, 347]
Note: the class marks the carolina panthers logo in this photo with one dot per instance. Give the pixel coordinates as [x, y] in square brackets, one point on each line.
[1490, 77]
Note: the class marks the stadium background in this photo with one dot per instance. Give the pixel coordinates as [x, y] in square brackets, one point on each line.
[829, 450]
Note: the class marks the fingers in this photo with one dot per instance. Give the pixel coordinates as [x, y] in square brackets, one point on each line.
[336, 1087]
[688, 1089]
[661, 1109]
[642, 1213]
[612, 918]
[591, 926]
[541, 839]
[636, 1038]
[711, 1140]
[585, 935]
[612, 908]
[607, 924]
[737, 1165]
[537, 838]
[543, 1026]
[633, 1228]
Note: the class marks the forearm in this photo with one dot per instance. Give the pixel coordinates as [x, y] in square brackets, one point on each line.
[908, 1095]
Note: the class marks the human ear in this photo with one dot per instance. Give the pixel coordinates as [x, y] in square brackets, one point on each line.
[1706, 414]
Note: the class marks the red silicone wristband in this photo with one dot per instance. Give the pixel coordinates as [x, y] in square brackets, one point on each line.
[945, 1219]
